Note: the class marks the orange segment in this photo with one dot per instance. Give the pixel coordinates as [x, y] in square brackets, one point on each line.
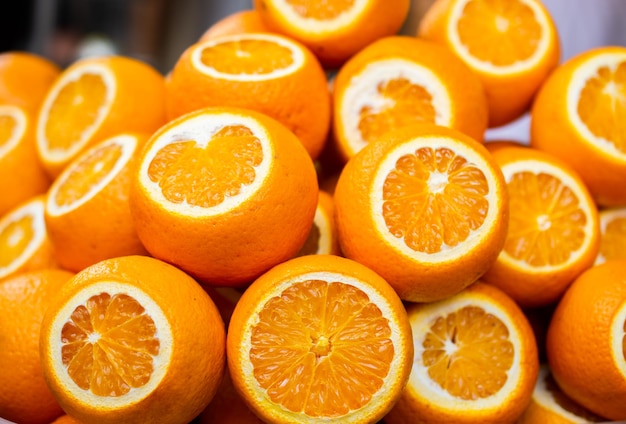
[602, 105]
[15, 238]
[75, 111]
[247, 56]
[322, 11]
[512, 22]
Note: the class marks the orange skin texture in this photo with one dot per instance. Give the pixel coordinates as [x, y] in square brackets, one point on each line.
[359, 239]
[24, 395]
[411, 409]
[101, 228]
[552, 132]
[301, 100]
[198, 347]
[379, 19]
[579, 340]
[21, 174]
[542, 287]
[233, 248]
[509, 96]
[25, 79]
[467, 98]
[236, 23]
[138, 105]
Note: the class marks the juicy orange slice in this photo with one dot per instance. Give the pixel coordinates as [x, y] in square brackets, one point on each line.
[612, 234]
[311, 17]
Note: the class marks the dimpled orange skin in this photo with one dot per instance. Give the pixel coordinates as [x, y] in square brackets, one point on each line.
[236, 23]
[579, 340]
[359, 239]
[379, 19]
[24, 395]
[198, 347]
[552, 131]
[233, 248]
[468, 102]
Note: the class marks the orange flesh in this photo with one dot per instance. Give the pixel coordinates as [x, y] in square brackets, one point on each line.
[468, 353]
[500, 32]
[546, 223]
[7, 126]
[321, 348]
[89, 172]
[405, 104]
[206, 176]
[567, 403]
[433, 199]
[613, 243]
[602, 105]
[320, 10]
[108, 345]
[76, 108]
[249, 57]
[14, 239]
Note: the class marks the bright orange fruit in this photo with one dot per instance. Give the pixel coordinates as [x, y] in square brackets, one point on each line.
[612, 234]
[248, 20]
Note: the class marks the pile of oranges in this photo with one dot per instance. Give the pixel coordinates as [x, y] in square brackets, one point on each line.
[303, 222]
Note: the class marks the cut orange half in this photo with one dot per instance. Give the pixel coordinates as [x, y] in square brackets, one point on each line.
[236, 23]
[319, 338]
[24, 243]
[127, 335]
[426, 207]
[553, 231]
[475, 360]
[512, 45]
[579, 116]
[612, 234]
[322, 239]
[399, 81]
[87, 209]
[96, 98]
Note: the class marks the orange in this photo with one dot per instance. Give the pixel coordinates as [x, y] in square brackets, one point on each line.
[96, 98]
[87, 210]
[24, 242]
[24, 395]
[553, 231]
[424, 206]
[549, 405]
[319, 338]
[612, 234]
[25, 79]
[65, 419]
[224, 194]
[512, 45]
[586, 341]
[322, 239]
[267, 73]
[579, 116]
[132, 340]
[475, 360]
[400, 81]
[21, 174]
[334, 30]
[236, 23]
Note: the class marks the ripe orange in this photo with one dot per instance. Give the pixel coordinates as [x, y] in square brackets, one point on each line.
[87, 210]
[267, 73]
[236, 23]
[21, 174]
[424, 206]
[322, 239]
[65, 419]
[512, 45]
[475, 360]
[96, 98]
[334, 30]
[24, 242]
[553, 233]
[549, 405]
[612, 234]
[586, 341]
[132, 340]
[24, 396]
[578, 116]
[224, 194]
[25, 79]
[398, 81]
[319, 338]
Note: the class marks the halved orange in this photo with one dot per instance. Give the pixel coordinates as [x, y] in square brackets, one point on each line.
[612, 234]
[322, 239]
[248, 20]
[319, 338]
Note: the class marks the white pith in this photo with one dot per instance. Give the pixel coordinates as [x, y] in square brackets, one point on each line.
[311, 26]
[19, 119]
[545, 399]
[617, 337]
[324, 243]
[607, 216]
